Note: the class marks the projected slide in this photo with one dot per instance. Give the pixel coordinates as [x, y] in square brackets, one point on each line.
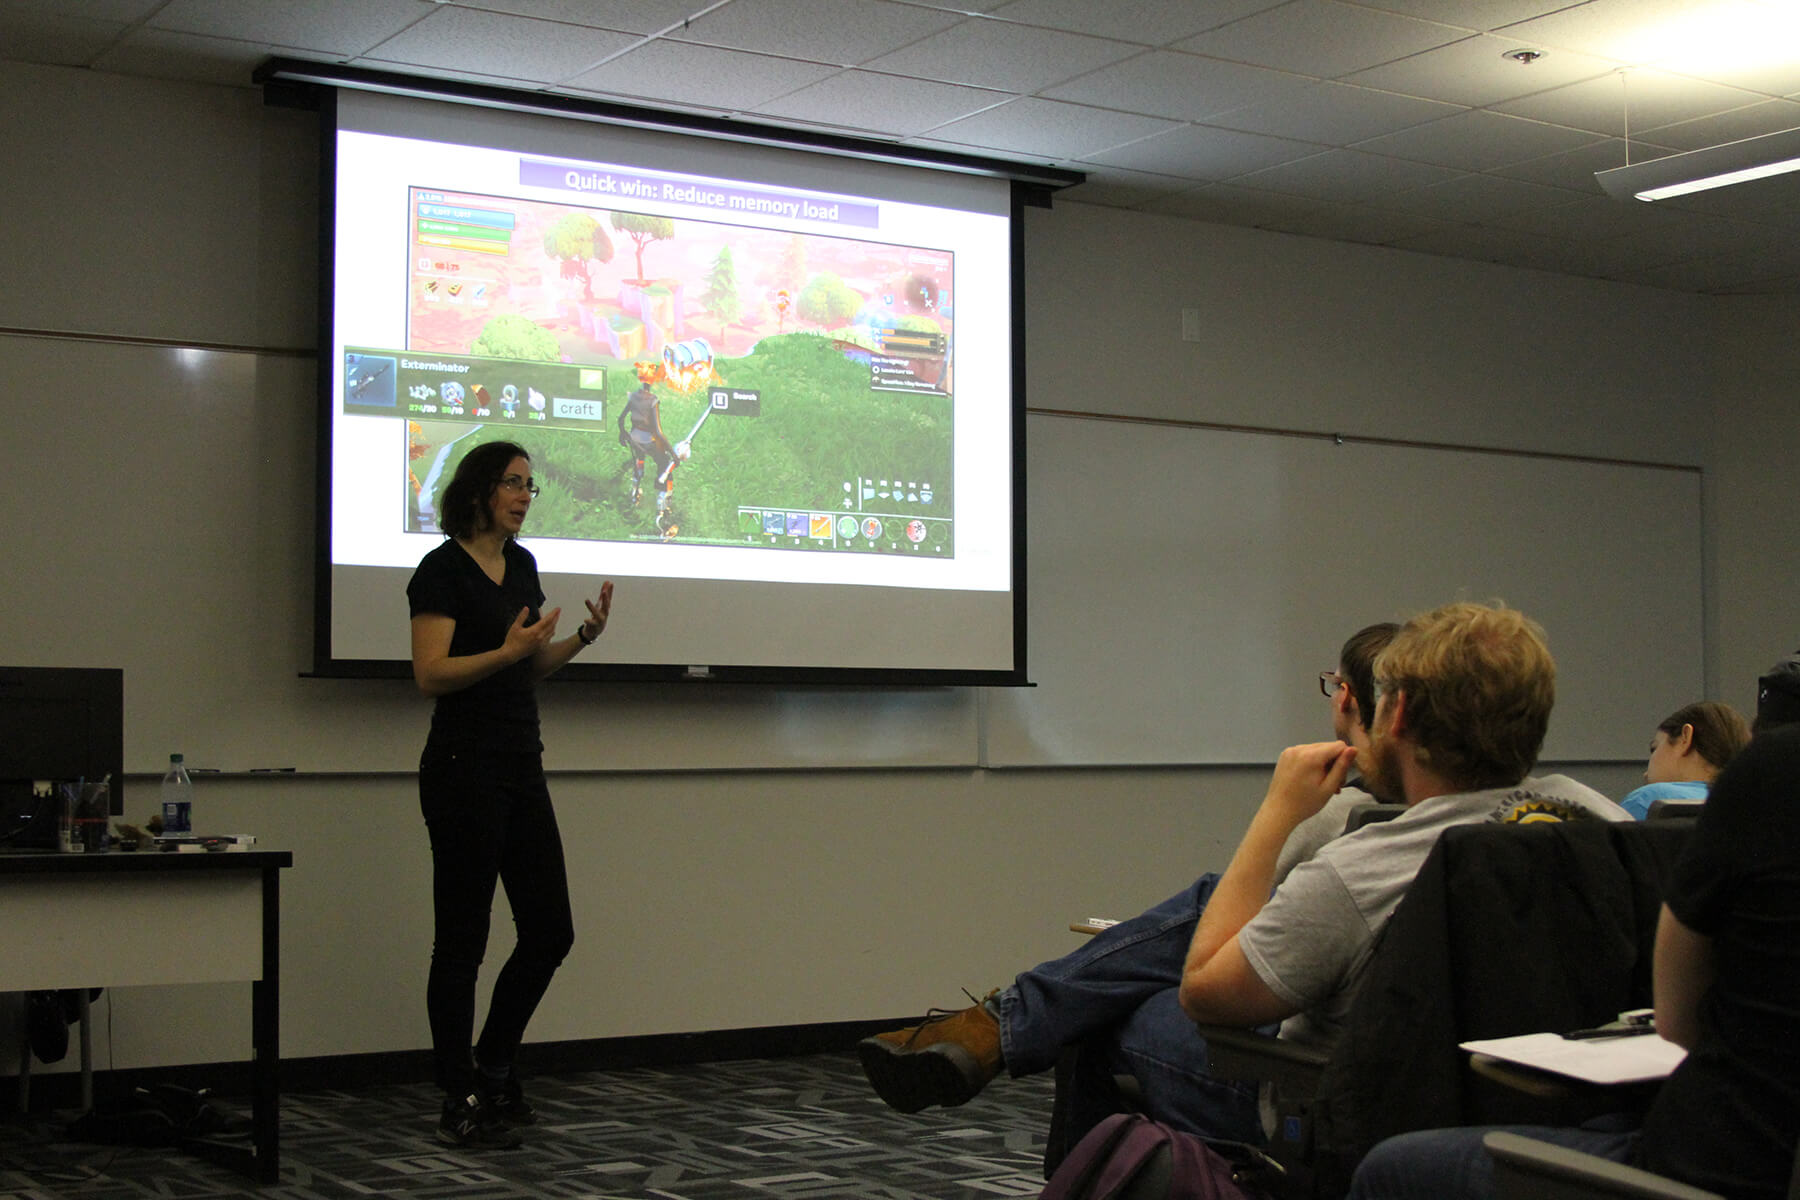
[715, 382]
[769, 393]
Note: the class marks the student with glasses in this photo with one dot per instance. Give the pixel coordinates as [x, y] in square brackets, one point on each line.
[480, 643]
[1116, 996]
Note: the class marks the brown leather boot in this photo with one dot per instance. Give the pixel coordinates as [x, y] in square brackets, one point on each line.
[946, 1059]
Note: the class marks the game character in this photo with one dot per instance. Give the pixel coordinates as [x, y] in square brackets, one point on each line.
[641, 432]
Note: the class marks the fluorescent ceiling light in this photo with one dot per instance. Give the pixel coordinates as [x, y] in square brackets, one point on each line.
[1699, 170]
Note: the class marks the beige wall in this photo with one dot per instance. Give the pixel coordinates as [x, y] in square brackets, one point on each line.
[1753, 498]
[738, 899]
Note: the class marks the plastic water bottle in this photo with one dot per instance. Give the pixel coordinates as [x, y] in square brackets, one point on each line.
[177, 798]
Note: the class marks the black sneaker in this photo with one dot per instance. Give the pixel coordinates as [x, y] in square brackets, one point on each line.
[473, 1125]
[506, 1099]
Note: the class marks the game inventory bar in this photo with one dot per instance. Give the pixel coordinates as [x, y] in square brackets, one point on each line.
[865, 532]
[455, 387]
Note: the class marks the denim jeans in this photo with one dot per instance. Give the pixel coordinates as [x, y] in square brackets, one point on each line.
[1115, 1000]
[490, 820]
[1431, 1164]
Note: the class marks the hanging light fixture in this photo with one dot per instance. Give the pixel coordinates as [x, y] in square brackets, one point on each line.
[1699, 170]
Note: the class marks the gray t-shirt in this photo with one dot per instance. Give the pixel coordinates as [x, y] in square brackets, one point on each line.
[1326, 825]
[1311, 943]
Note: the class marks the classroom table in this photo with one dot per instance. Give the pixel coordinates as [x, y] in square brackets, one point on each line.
[125, 919]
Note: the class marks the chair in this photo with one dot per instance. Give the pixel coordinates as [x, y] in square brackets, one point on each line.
[1507, 929]
[1369, 812]
[1527, 1169]
[1674, 808]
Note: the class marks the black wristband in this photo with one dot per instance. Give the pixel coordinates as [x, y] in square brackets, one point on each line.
[581, 632]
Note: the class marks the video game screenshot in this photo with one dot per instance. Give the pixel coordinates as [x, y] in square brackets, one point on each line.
[675, 379]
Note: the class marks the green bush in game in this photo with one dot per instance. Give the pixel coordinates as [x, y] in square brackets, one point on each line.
[820, 426]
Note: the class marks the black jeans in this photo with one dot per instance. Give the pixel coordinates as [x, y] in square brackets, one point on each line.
[490, 819]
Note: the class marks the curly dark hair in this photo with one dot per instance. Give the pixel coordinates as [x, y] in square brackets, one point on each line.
[462, 509]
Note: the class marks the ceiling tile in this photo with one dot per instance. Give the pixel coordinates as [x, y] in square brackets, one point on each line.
[1145, 22]
[1473, 199]
[1174, 132]
[1231, 205]
[1637, 101]
[1119, 188]
[887, 104]
[1766, 77]
[1049, 129]
[680, 72]
[183, 56]
[521, 48]
[1738, 43]
[628, 16]
[1770, 116]
[1477, 141]
[1203, 152]
[1014, 58]
[121, 12]
[1574, 169]
[963, 6]
[1628, 31]
[844, 32]
[1476, 72]
[1346, 176]
[1321, 37]
[1471, 14]
[335, 27]
[1334, 113]
[1182, 87]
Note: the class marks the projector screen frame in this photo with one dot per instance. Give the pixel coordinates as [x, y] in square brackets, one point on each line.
[295, 83]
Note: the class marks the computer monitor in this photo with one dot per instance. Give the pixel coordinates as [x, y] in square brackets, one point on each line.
[57, 724]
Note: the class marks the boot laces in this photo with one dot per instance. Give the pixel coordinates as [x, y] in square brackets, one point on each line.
[934, 1016]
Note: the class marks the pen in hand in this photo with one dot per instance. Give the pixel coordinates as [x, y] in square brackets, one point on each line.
[1614, 1031]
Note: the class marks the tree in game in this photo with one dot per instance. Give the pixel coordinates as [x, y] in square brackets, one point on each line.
[827, 300]
[721, 297]
[514, 336]
[790, 272]
[643, 230]
[575, 241]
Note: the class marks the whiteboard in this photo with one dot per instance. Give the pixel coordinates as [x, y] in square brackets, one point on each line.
[1187, 585]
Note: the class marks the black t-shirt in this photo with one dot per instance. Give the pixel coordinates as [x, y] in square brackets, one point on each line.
[496, 715]
[1728, 1117]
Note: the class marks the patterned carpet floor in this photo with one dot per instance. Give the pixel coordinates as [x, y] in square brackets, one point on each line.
[803, 1128]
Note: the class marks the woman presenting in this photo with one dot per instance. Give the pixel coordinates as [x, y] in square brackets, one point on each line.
[479, 647]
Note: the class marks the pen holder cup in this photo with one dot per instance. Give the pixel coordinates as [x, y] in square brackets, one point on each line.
[92, 815]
